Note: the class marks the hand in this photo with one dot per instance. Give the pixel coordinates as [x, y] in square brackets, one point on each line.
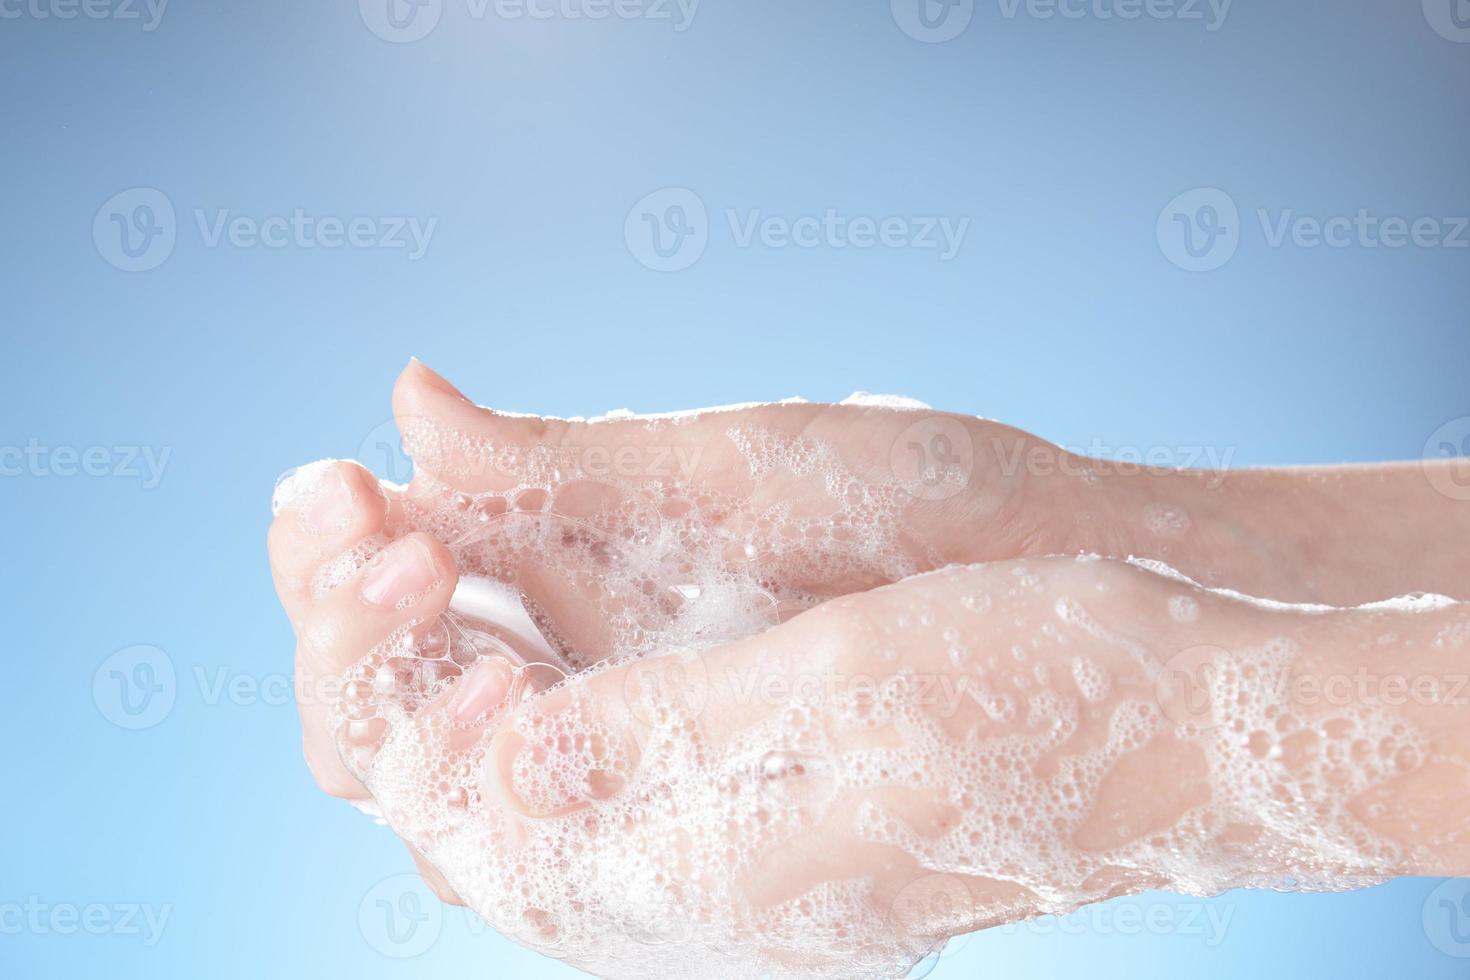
[957, 489]
[551, 524]
[486, 481]
[1056, 732]
[960, 749]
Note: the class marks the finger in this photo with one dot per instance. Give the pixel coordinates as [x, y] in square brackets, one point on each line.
[469, 448]
[475, 449]
[806, 466]
[436, 881]
[409, 582]
[564, 487]
[584, 741]
[323, 511]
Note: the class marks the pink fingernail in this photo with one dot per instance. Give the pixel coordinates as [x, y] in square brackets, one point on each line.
[403, 569]
[330, 508]
[485, 688]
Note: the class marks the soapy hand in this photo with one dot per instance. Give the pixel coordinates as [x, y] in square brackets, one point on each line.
[351, 567]
[685, 551]
[910, 479]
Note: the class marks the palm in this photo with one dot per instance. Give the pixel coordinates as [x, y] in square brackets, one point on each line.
[614, 531]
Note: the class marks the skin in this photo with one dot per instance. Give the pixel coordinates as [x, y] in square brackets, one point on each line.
[1340, 536]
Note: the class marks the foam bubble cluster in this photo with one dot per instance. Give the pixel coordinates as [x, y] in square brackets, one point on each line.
[650, 872]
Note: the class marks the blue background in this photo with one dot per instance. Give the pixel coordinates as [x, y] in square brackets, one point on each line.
[529, 140]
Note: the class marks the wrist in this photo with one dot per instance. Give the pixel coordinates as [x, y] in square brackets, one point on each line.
[1340, 536]
[1253, 532]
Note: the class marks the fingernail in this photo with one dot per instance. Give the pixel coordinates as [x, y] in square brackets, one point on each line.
[318, 495]
[547, 765]
[331, 509]
[433, 379]
[484, 689]
[402, 569]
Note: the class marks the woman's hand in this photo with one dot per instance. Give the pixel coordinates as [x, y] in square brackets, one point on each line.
[960, 749]
[966, 490]
[990, 743]
[996, 660]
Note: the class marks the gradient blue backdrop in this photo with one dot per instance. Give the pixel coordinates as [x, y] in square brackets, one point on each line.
[530, 140]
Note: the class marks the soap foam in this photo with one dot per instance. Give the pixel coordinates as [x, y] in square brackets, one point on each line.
[645, 882]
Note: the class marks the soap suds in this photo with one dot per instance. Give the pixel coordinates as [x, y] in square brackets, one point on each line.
[643, 879]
